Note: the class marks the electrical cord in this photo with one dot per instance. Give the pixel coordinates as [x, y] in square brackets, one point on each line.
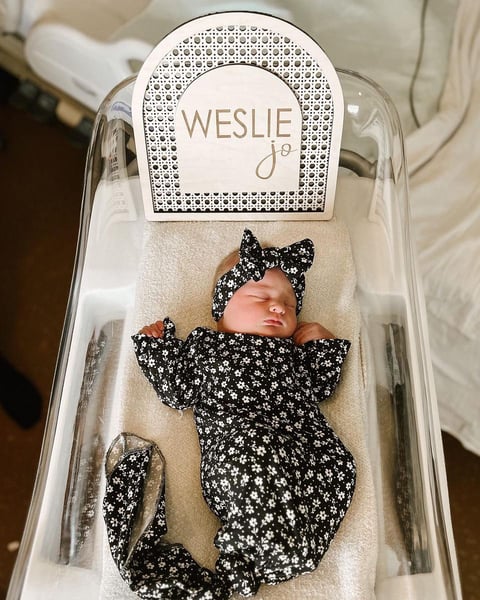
[416, 71]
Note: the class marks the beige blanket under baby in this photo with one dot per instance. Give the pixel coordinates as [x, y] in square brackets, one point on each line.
[176, 279]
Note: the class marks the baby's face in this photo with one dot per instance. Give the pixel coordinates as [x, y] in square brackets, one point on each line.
[266, 307]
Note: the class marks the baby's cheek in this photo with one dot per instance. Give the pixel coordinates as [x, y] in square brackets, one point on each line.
[293, 326]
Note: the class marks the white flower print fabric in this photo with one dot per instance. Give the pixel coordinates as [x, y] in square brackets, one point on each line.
[272, 469]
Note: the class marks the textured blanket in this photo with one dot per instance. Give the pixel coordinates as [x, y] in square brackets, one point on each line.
[176, 279]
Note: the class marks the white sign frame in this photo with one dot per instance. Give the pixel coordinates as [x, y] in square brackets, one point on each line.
[234, 46]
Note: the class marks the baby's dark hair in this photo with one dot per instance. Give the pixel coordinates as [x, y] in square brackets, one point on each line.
[227, 263]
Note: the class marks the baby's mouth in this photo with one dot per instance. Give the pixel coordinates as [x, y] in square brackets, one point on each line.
[273, 322]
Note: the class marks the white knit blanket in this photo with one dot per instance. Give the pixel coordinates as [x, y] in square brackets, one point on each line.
[176, 279]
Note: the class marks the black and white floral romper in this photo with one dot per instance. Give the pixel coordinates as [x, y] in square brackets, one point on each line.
[272, 469]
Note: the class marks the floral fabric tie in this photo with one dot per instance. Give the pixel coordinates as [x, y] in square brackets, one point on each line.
[293, 260]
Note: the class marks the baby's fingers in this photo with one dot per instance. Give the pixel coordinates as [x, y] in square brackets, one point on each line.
[153, 330]
[300, 335]
[307, 332]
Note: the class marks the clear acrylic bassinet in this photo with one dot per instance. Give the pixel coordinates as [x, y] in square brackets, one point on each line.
[61, 554]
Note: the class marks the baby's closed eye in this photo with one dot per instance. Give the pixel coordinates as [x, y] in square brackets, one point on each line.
[259, 297]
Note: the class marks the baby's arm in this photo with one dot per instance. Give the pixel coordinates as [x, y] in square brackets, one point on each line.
[166, 363]
[322, 357]
[153, 330]
[306, 332]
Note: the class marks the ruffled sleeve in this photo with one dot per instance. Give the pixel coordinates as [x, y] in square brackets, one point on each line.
[323, 359]
[168, 366]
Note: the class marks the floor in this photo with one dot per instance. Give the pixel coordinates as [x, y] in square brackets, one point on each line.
[41, 180]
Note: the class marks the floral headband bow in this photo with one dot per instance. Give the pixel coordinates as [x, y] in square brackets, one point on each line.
[293, 260]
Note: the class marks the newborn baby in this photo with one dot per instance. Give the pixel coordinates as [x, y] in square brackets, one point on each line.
[272, 469]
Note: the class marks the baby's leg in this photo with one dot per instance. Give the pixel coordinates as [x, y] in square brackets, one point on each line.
[252, 481]
[332, 478]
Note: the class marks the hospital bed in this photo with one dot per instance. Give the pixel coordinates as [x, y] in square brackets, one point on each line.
[396, 541]
[424, 54]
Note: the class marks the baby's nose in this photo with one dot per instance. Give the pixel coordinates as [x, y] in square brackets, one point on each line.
[277, 307]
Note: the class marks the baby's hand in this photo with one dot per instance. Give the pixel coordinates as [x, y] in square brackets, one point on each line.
[154, 330]
[306, 332]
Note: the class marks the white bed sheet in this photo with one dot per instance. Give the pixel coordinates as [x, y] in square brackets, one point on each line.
[444, 159]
